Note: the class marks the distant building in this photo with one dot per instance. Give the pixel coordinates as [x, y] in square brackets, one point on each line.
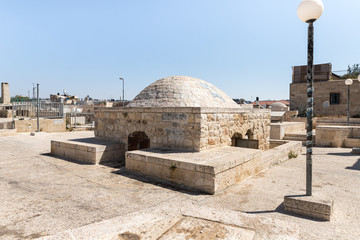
[330, 92]
[5, 93]
[269, 103]
[67, 99]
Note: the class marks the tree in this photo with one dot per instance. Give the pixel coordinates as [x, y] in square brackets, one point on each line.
[352, 72]
[19, 98]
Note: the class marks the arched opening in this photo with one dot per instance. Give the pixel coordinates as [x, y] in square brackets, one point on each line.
[247, 141]
[137, 141]
[235, 140]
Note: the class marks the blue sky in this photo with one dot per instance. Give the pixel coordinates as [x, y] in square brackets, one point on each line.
[246, 48]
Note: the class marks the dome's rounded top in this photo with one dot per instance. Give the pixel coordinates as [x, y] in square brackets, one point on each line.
[182, 91]
[278, 106]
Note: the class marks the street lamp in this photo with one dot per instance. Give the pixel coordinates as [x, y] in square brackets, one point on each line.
[309, 11]
[348, 82]
[123, 99]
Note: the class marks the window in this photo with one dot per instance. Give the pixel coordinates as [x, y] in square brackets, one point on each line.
[334, 98]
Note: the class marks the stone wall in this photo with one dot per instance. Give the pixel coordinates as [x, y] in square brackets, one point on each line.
[322, 90]
[279, 130]
[46, 125]
[192, 129]
[338, 136]
[166, 127]
[218, 126]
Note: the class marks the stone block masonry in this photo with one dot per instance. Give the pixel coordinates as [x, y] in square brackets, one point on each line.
[211, 170]
[193, 129]
[88, 151]
[5, 93]
[318, 207]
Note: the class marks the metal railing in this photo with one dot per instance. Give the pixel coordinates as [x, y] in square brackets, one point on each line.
[31, 110]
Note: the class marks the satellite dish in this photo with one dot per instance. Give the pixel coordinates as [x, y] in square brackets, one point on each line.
[326, 104]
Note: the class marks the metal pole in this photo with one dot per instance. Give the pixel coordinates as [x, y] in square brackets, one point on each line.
[348, 106]
[123, 91]
[309, 112]
[13, 114]
[38, 108]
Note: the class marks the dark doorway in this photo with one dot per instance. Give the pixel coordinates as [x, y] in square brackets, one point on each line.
[138, 140]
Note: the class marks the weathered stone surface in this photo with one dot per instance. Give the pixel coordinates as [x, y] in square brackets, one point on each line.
[185, 113]
[355, 150]
[168, 127]
[322, 90]
[90, 151]
[182, 91]
[319, 207]
[338, 136]
[210, 171]
[42, 195]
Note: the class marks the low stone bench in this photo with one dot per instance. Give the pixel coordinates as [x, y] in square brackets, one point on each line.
[90, 150]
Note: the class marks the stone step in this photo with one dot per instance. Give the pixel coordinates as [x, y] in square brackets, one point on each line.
[89, 150]
[297, 137]
[352, 142]
[355, 150]
[296, 134]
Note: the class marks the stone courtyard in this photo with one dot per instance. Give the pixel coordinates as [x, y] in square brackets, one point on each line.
[55, 198]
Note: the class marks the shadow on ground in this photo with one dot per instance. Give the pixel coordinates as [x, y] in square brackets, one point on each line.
[356, 166]
[280, 209]
[108, 164]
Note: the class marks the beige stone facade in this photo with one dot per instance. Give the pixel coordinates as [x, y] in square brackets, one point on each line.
[338, 136]
[46, 125]
[193, 129]
[5, 93]
[184, 113]
[322, 103]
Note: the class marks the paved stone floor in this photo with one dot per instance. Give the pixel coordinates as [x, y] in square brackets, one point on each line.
[41, 195]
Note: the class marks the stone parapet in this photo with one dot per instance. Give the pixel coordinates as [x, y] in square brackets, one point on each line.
[338, 136]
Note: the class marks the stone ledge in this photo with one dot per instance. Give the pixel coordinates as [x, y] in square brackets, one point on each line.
[89, 151]
[355, 150]
[318, 207]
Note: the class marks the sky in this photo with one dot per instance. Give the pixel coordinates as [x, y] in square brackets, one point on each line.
[245, 48]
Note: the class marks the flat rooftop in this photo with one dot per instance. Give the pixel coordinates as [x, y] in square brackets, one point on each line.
[42, 195]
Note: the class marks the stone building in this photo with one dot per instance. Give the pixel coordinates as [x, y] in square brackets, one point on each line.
[183, 113]
[181, 130]
[330, 92]
[5, 93]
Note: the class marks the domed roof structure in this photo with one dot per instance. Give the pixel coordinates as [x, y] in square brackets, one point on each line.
[182, 91]
[278, 106]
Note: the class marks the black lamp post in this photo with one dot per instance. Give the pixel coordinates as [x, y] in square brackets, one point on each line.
[309, 11]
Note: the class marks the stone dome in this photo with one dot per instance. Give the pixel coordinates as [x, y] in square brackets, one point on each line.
[278, 106]
[182, 91]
